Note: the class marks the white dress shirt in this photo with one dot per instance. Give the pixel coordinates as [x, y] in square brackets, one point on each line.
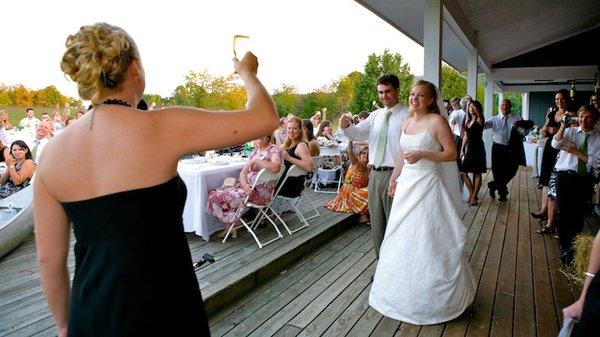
[501, 126]
[457, 121]
[568, 161]
[368, 130]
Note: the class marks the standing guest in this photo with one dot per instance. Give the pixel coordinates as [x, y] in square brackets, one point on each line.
[553, 117]
[313, 144]
[58, 121]
[20, 169]
[472, 151]
[456, 119]
[69, 121]
[227, 204]
[576, 165]
[79, 114]
[5, 126]
[382, 131]
[133, 269]
[30, 122]
[504, 162]
[354, 196]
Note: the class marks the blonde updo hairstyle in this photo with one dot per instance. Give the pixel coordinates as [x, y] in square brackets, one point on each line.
[97, 58]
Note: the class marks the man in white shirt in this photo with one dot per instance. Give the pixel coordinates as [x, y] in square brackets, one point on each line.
[457, 121]
[381, 130]
[42, 137]
[576, 169]
[504, 163]
[30, 122]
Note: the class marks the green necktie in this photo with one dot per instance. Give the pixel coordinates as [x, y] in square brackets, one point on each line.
[581, 165]
[381, 140]
[35, 148]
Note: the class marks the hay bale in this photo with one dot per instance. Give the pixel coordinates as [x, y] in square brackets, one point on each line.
[583, 247]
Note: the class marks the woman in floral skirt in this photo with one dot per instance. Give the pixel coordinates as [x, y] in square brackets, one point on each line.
[227, 203]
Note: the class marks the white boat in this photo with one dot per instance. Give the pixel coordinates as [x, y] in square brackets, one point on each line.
[16, 219]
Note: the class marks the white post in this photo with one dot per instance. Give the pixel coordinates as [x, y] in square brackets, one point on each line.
[487, 113]
[432, 41]
[500, 98]
[525, 112]
[472, 73]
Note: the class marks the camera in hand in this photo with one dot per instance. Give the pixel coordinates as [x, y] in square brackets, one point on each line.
[569, 119]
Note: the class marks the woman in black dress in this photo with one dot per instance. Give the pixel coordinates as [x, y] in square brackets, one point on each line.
[473, 151]
[553, 117]
[120, 189]
[295, 152]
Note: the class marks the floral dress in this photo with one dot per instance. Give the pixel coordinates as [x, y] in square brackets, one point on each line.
[353, 196]
[227, 204]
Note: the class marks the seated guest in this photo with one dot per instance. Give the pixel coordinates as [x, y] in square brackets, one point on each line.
[353, 196]
[575, 171]
[316, 120]
[295, 152]
[325, 135]
[313, 145]
[42, 137]
[20, 169]
[227, 204]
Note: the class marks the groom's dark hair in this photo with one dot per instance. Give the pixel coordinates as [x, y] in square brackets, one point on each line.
[389, 79]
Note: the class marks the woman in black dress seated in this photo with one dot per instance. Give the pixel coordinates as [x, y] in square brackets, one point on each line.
[295, 152]
[120, 189]
[473, 151]
[549, 154]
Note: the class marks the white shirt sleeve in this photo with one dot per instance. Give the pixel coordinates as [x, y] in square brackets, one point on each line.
[360, 131]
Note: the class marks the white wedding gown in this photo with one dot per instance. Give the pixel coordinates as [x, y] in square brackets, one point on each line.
[422, 276]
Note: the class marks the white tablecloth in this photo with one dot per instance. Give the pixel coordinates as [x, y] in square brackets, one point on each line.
[533, 156]
[199, 180]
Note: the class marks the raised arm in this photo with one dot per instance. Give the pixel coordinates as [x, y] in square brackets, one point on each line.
[186, 130]
[52, 234]
[351, 155]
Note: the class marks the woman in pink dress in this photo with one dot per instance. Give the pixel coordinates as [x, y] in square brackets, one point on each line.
[227, 203]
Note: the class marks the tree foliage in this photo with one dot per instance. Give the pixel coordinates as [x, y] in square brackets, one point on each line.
[365, 91]
[19, 95]
[204, 90]
[287, 100]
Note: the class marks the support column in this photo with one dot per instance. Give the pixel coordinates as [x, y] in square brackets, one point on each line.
[500, 98]
[472, 73]
[525, 112]
[488, 107]
[432, 41]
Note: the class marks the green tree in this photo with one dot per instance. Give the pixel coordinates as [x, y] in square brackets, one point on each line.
[53, 96]
[344, 92]
[365, 89]
[453, 83]
[286, 100]
[21, 96]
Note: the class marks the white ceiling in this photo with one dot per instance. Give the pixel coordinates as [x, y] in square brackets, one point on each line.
[500, 30]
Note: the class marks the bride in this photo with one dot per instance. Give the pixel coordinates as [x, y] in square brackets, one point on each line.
[422, 276]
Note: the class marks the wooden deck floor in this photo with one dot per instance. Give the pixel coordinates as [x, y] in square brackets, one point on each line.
[520, 291]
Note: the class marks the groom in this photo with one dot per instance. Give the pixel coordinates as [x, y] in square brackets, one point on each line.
[382, 130]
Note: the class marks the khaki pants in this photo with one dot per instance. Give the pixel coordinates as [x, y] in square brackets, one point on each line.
[380, 205]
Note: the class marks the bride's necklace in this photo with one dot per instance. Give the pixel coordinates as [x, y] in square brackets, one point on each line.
[110, 101]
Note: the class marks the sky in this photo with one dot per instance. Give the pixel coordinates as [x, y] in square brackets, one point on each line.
[306, 44]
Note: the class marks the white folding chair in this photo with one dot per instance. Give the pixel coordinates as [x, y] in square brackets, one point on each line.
[263, 176]
[294, 171]
[317, 161]
[321, 171]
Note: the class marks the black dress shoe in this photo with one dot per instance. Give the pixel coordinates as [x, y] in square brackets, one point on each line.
[502, 198]
[492, 190]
